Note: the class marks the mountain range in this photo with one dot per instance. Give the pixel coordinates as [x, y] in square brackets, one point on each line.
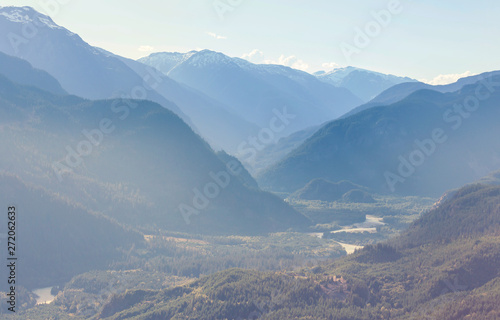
[94, 73]
[136, 182]
[365, 84]
[273, 153]
[400, 91]
[225, 100]
[425, 144]
[255, 92]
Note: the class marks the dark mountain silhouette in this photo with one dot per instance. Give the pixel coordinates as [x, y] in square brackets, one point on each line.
[134, 161]
[58, 239]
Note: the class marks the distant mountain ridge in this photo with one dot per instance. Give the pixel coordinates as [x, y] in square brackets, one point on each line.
[273, 153]
[253, 91]
[401, 91]
[365, 84]
[80, 68]
[373, 146]
[166, 61]
[94, 73]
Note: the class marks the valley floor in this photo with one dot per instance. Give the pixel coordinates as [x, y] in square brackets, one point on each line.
[170, 259]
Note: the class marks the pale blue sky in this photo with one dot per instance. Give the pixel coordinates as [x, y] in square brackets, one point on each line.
[426, 39]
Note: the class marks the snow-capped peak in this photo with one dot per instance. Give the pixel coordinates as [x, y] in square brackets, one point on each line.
[27, 15]
[207, 57]
[336, 76]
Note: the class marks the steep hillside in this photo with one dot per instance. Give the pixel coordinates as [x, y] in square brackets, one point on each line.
[22, 72]
[56, 238]
[471, 212]
[273, 153]
[245, 177]
[134, 161]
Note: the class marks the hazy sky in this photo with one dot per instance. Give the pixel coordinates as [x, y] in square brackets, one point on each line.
[424, 39]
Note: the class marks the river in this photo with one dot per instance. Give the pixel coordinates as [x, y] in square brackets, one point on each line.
[369, 225]
[44, 295]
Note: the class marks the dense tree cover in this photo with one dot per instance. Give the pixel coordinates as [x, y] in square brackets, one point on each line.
[171, 260]
[470, 212]
[450, 277]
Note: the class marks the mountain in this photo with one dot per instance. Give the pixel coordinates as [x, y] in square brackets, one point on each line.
[22, 72]
[491, 179]
[425, 144]
[134, 161]
[257, 93]
[363, 83]
[219, 125]
[56, 238]
[320, 189]
[166, 61]
[358, 196]
[94, 73]
[272, 153]
[245, 176]
[453, 274]
[81, 69]
[401, 91]
[471, 212]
